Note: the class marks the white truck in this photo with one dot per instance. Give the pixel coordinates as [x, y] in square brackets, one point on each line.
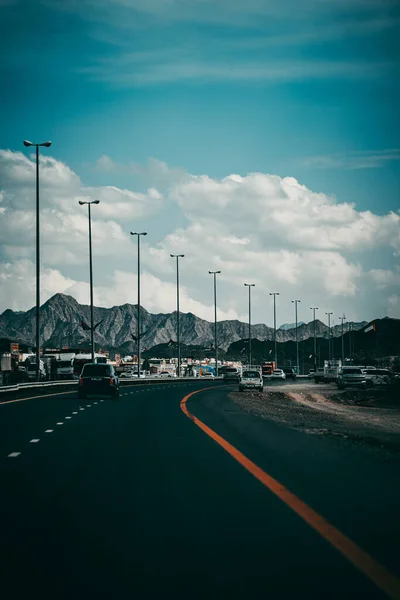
[65, 367]
[331, 370]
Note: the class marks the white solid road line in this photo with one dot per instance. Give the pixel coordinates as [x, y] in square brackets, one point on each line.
[14, 454]
[49, 430]
[34, 441]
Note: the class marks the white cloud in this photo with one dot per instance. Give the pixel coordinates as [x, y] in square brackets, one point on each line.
[258, 228]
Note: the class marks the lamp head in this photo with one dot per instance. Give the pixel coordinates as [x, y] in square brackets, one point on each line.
[27, 143]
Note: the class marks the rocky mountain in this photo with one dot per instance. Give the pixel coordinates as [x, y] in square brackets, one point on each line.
[287, 326]
[61, 326]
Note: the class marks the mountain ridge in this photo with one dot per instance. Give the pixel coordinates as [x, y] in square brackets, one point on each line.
[61, 317]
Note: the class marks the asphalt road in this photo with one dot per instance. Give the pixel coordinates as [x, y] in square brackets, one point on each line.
[130, 499]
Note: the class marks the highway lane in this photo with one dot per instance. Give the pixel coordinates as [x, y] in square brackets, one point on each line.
[131, 498]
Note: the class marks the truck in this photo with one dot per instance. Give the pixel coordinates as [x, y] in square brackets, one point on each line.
[31, 370]
[331, 370]
[267, 368]
[65, 367]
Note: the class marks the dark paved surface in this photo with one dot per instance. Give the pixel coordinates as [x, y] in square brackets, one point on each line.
[130, 499]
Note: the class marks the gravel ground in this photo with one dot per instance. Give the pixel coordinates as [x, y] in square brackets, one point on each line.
[367, 417]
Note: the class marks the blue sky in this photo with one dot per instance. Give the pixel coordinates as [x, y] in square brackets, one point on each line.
[306, 89]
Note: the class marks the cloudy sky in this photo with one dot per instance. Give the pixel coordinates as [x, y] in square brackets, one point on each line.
[256, 137]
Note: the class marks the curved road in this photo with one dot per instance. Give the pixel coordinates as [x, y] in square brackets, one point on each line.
[133, 499]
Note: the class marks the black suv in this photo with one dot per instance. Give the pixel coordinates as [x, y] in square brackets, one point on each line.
[98, 379]
[289, 372]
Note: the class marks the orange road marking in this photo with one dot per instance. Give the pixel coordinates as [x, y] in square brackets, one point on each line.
[385, 580]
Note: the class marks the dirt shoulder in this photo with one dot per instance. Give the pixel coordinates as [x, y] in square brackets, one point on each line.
[365, 417]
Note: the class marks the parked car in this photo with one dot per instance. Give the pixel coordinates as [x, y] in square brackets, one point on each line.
[319, 375]
[378, 377]
[289, 372]
[208, 374]
[126, 375]
[311, 374]
[278, 374]
[251, 380]
[165, 374]
[351, 377]
[98, 379]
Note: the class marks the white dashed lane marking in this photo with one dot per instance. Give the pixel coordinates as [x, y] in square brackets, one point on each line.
[49, 430]
[75, 412]
[81, 409]
[60, 423]
[34, 441]
[14, 454]
[68, 417]
[95, 402]
[88, 405]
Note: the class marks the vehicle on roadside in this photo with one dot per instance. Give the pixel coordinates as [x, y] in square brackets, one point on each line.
[98, 379]
[331, 370]
[65, 368]
[351, 377]
[311, 374]
[278, 374]
[232, 375]
[381, 377]
[251, 379]
[289, 372]
[165, 374]
[142, 374]
[126, 375]
[267, 368]
[319, 375]
[208, 375]
[31, 370]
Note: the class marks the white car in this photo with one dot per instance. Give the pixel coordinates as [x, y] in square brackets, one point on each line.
[377, 377]
[278, 374]
[165, 374]
[208, 374]
[251, 380]
[126, 375]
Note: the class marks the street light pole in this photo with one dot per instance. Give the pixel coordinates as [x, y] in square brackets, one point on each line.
[343, 320]
[178, 256]
[47, 145]
[215, 273]
[138, 295]
[295, 302]
[81, 202]
[329, 338]
[249, 285]
[314, 308]
[274, 294]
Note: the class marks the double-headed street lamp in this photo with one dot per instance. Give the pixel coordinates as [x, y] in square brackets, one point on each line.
[215, 273]
[295, 302]
[89, 204]
[138, 296]
[329, 326]
[250, 285]
[37, 146]
[274, 294]
[314, 308]
[178, 338]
